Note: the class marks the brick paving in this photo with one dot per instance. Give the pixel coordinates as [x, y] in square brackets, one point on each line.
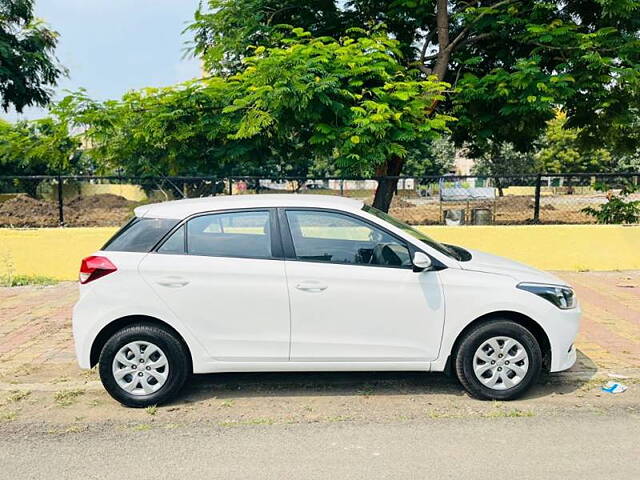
[35, 327]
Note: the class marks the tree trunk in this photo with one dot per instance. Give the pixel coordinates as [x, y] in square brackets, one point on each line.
[499, 187]
[387, 186]
[444, 50]
[569, 185]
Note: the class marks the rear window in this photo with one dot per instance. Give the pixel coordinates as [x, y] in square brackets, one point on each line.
[140, 234]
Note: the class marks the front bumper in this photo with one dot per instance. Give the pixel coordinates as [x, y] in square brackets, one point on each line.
[562, 333]
[567, 361]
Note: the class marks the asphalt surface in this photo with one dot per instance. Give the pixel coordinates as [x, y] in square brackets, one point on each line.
[575, 446]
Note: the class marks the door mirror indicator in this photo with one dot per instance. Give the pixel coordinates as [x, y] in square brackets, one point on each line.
[421, 261]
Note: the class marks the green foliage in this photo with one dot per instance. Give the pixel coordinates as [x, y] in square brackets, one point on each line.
[28, 68]
[435, 158]
[529, 57]
[561, 152]
[348, 103]
[39, 147]
[628, 162]
[225, 31]
[504, 159]
[157, 131]
[618, 208]
[512, 62]
[350, 100]
[23, 280]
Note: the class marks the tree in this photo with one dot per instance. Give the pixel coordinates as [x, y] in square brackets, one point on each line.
[511, 63]
[503, 160]
[39, 147]
[629, 162]
[435, 158]
[559, 151]
[348, 101]
[156, 131]
[28, 67]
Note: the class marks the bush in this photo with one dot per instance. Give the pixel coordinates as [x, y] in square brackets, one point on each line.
[618, 209]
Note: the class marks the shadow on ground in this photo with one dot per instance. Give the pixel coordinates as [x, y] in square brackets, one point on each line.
[302, 384]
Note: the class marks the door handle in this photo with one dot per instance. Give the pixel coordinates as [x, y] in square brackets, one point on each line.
[311, 286]
[173, 282]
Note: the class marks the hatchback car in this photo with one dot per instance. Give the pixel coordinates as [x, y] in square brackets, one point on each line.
[254, 283]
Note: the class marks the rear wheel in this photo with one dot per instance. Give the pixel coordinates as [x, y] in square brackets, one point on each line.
[143, 365]
[498, 360]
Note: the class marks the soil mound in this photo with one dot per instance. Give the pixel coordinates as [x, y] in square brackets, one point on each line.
[105, 200]
[96, 210]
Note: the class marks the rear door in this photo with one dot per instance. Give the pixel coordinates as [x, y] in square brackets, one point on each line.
[354, 295]
[223, 275]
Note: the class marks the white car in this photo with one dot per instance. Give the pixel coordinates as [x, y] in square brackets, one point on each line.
[254, 283]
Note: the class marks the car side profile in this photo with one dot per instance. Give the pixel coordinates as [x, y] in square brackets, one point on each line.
[282, 282]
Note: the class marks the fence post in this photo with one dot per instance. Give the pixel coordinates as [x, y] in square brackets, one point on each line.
[342, 187]
[230, 186]
[536, 206]
[60, 203]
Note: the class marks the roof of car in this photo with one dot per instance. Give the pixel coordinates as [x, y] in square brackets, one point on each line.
[179, 209]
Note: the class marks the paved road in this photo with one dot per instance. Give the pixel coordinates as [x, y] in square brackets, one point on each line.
[575, 446]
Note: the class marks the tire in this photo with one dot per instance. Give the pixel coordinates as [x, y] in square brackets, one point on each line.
[167, 367]
[476, 352]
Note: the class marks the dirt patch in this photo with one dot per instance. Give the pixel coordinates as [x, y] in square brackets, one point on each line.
[24, 211]
[114, 210]
[236, 400]
[96, 210]
[104, 201]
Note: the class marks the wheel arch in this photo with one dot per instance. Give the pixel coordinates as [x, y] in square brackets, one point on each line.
[527, 322]
[122, 322]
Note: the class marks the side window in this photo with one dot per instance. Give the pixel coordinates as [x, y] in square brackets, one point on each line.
[337, 238]
[140, 235]
[175, 243]
[237, 234]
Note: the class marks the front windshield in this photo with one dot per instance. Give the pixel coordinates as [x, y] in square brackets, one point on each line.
[411, 231]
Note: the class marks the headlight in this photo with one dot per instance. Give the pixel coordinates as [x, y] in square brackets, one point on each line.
[561, 297]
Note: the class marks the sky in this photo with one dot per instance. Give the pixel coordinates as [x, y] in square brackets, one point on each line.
[112, 46]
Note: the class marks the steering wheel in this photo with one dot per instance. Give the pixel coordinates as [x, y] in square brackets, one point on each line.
[383, 254]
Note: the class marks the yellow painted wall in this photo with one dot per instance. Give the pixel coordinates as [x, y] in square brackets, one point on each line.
[53, 252]
[56, 252]
[552, 247]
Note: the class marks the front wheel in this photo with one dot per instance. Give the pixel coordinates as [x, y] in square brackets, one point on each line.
[143, 365]
[498, 360]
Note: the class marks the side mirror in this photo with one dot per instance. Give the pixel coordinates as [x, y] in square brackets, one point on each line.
[421, 261]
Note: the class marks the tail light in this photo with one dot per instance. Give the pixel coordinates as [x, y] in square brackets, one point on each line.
[94, 267]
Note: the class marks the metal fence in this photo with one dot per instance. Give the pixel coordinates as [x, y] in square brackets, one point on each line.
[48, 201]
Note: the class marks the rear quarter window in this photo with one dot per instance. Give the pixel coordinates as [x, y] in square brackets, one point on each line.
[140, 234]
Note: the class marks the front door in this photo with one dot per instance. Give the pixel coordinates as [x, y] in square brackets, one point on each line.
[354, 295]
[220, 275]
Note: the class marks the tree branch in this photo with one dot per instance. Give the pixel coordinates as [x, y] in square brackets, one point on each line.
[466, 29]
[275, 12]
[427, 41]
